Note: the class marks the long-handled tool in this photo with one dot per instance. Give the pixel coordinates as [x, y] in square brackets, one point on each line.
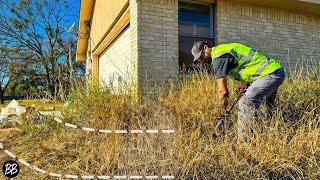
[221, 125]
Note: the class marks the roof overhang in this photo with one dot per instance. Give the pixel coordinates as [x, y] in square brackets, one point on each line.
[85, 16]
[304, 6]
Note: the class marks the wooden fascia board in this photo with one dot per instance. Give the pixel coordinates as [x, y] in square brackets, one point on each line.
[120, 23]
[95, 70]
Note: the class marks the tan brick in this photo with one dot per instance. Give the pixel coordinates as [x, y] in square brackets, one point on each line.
[281, 34]
[157, 29]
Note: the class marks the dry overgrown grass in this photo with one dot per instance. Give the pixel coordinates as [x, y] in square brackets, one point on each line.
[286, 146]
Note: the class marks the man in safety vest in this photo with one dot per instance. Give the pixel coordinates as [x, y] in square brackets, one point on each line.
[250, 67]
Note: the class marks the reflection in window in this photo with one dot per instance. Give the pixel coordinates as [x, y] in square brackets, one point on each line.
[195, 24]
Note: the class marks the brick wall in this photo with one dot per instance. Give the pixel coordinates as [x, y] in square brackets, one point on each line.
[286, 35]
[154, 41]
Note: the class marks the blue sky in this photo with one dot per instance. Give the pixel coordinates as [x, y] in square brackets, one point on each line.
[75, 6]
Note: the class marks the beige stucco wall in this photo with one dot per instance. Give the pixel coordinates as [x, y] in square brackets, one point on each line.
[116, 68]
[287, 35]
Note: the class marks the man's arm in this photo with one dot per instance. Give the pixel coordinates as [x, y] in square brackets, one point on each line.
[221, 65]
[223, 92]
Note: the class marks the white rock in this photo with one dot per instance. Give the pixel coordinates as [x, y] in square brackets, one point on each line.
[13, 108]
[2, 119]
[5, 112]
[13, 103]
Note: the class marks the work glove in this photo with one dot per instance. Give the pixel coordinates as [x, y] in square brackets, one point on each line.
[242, 88]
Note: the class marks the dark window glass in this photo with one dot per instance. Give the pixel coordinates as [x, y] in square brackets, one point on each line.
[195, 24]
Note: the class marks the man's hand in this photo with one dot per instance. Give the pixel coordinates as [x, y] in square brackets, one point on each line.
[223, 92]
[241, 88]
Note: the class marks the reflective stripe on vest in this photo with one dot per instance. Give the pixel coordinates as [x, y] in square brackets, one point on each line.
[247, 59]
[261, 68]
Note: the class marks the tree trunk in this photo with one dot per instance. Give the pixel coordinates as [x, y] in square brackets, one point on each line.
[2, 97]
[49, 84]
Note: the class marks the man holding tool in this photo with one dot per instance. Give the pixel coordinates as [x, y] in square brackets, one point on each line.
[250, 67]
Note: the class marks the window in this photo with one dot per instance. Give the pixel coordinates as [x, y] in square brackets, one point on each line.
[195, 24]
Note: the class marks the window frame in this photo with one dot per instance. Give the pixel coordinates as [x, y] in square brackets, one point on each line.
[212, 32]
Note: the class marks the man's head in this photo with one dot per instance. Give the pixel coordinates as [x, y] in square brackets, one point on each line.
[201, 51]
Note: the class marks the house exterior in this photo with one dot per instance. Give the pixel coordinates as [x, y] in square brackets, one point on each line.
[146, 43]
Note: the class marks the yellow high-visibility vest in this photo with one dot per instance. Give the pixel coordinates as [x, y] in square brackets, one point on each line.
[251, 64]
